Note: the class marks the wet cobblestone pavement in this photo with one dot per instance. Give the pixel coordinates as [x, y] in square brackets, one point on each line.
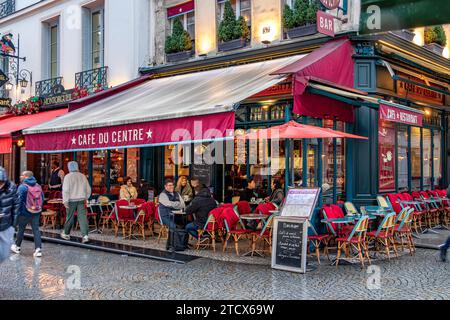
[110, 276]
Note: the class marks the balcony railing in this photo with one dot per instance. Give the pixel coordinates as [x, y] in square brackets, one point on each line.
[49, 87]
[92, 79]
[7, 8]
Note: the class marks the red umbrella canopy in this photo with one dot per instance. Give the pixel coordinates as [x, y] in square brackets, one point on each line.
[294, 130]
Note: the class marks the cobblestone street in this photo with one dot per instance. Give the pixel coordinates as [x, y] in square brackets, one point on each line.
[109, 276]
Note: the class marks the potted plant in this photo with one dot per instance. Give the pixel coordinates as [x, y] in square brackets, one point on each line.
[178, 45]
[233, 34]
[435, 39]
[300, 20]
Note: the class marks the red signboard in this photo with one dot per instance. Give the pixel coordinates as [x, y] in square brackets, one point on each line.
[386, 156]
[413, 91]
[180, 9]
[325, 23]
[395, 114]
[330, 4]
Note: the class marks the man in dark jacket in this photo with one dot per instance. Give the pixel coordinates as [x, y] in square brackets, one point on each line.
[25, 217]
[9, 206]
[249, 192]
[201, 206]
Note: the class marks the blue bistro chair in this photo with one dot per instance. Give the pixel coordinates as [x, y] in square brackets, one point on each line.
[355, 240]
[384, 203]
[403, 229]
[384, 235]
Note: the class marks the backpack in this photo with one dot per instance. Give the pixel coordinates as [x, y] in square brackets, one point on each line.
[34, 199]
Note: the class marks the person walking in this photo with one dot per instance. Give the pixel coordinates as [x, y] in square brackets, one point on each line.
[444, 249]
[9, 208]
[31, 200]
[76, 191]
[56, 177]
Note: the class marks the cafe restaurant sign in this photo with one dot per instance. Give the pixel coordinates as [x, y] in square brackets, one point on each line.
[413, 91]
[394, 114]
[64, 97]
[330, 4]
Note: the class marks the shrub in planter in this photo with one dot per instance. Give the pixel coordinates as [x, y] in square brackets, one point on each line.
[301, 20]
[232, 30]
[179, 41]
[435, 39]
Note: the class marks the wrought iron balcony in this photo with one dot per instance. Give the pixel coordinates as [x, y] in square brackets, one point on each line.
[7, 8]
[49, 87]
[92, 79]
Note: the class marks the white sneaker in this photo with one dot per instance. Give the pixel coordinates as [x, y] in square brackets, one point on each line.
[15, 249]
[65, 236]
[85, 239]
[37, 253]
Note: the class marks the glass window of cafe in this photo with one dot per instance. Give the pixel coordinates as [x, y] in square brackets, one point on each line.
[400, 146]
[265, 160]
[177, 160]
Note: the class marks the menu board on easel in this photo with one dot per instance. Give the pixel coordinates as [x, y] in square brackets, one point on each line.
[300, 202]
[290, 237]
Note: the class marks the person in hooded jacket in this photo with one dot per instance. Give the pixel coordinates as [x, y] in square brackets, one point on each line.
[200, 207]
[26, 217]
[9, 209]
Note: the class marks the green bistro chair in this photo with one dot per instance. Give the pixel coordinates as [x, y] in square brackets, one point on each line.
[403, 229]
[384, 235]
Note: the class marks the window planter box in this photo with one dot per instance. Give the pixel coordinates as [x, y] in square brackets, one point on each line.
[232, 45]
[405, 34]
[302, 31]
[434, 47]
[179, 56]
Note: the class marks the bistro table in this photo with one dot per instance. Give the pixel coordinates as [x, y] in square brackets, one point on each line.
[100, 205]
[254, 217]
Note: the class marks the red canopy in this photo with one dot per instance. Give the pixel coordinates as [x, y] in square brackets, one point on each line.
[12, 124]
[294, 130]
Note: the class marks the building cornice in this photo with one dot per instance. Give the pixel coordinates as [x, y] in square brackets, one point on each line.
[27, 10]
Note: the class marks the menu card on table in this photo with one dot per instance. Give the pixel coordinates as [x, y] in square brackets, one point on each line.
[300, 202]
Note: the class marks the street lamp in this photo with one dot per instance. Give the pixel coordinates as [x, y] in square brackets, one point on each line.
[8, 86]
[23, 83]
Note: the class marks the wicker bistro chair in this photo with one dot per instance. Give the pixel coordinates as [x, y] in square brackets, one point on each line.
[49, 218]
[356, 240]
[384, 235]
[234, 228]
[265, 235]
[384, 203]
[212, 228]
[350, 208]
[403, 229]
[142, 219]
[124, 217]
[163, 229]
[317, 240]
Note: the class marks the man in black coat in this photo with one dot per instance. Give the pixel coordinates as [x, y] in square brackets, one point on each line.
[9, 208]
[200, 207]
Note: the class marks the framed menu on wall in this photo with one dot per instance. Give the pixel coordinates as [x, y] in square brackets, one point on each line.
[289, 244]
[300, 202]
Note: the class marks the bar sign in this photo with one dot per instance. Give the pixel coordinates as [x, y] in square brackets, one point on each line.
[325, 23]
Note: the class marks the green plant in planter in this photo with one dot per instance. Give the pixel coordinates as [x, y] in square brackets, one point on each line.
[435, 35]
[302, 13]
[230, 28]
[180, 40]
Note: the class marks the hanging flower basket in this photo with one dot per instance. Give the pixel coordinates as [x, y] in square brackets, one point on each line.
[29, 106]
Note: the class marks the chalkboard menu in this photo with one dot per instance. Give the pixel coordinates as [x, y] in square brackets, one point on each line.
[203, 172]
[300, 202]
[289, 244]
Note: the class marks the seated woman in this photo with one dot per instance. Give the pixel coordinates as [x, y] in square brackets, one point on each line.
[128, 191]
[185, 189]
[277, 195]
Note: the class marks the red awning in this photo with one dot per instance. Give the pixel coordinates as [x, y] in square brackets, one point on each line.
[13, 124]
[332, 62]
[5, 145]
[180, 9]
[294, 130]
[10, 125]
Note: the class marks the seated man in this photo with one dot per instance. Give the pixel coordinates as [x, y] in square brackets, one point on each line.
[201, 206]
[169, 201]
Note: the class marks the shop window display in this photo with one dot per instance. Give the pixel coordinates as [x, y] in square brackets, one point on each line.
[117, 170]
[437, 167]
[402, 151]
[99, 159]
[415, 158]
[427, 161]
[386, 154]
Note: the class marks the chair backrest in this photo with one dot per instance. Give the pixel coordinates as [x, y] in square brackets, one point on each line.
[433, 193]
[405, 219]
[215, 219]
[360, 228]
[383, 202]
[123, 213]
[416, 195]
[149, 209]
[265, 208]
[350, 208]
[230, 218]
[235, 200]
[424, 195]
[393, 199]
[244, 207]
[267, 227]
[387, 224]
[402, 214]
[329, 212]
[158, 216]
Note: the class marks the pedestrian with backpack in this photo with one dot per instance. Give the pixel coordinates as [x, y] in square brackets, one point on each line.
[9, 207]
[31, 200]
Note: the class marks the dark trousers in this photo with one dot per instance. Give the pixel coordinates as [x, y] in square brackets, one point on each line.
[169, 221]
[192, 229]
[22, 223]
[446, 245]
